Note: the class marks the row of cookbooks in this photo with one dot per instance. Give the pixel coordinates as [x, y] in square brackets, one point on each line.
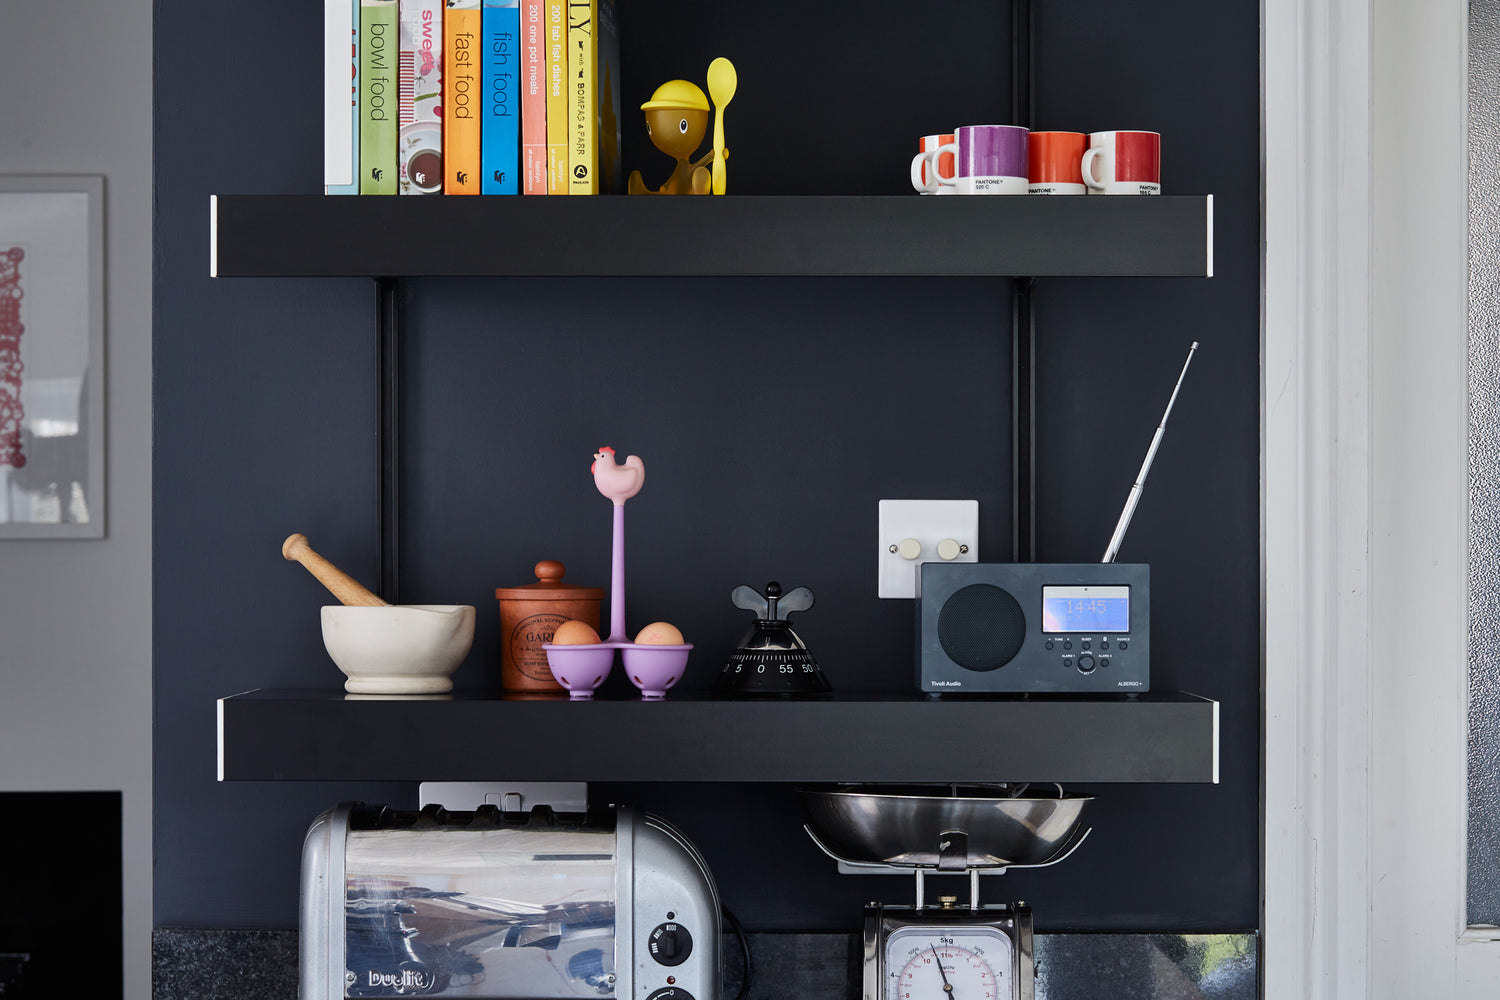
[471, 97]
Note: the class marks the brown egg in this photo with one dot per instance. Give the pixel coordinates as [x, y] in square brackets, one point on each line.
[574, 633]
[659, 634]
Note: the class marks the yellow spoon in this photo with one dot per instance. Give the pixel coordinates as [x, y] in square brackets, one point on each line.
[722, 80]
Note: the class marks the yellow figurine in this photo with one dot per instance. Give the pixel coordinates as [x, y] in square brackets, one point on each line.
[676, 120]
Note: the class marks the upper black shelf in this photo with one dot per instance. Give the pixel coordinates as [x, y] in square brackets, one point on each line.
[317, 235]
[1155, 737]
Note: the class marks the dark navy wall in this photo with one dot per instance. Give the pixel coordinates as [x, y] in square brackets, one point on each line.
[773, 414]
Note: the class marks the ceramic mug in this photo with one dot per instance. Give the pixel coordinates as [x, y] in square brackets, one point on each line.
[1122, 163]
[1053, 162]
[923, 177]
[988, 159]
[926, 179]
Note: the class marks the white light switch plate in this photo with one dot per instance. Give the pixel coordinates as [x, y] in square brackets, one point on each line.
[930, 523]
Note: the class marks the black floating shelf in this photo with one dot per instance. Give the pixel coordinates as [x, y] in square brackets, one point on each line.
[1156, 737]
[311, 235]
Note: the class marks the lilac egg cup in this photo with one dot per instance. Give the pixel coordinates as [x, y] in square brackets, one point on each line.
[651, 668]
[582, 668]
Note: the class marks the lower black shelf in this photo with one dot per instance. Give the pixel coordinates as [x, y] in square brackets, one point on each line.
[1156, 737]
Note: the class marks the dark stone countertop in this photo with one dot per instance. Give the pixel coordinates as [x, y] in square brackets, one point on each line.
[196, 964]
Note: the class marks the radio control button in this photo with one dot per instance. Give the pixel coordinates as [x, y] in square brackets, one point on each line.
[1067, 662]
[1067, 644]
[1049, 643]
[1084, 644]
[1104, 643]
[1123, 643]
[1086, 664]
[1103, 659]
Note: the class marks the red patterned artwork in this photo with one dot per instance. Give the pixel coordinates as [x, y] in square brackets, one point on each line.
[10, 357]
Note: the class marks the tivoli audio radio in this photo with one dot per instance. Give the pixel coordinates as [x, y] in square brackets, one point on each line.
[1017, 627]
[1040, 627]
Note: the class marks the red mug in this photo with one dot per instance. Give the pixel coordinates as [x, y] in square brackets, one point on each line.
[1122, 163]
[1053, 160]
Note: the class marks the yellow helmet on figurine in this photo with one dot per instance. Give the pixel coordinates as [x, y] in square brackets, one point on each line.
[677, 94]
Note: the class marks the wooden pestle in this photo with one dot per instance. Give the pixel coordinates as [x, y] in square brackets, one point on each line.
[340, 584]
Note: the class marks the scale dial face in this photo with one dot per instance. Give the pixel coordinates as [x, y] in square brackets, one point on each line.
[949, 962]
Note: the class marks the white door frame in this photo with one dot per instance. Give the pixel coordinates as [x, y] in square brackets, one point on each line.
[1316, 499]
[1364, 461]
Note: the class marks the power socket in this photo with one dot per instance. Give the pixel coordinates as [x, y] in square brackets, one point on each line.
[916, 531]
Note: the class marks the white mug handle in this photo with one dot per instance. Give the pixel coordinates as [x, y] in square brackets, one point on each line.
[1087, 166]
[937, 155]
[916, 174]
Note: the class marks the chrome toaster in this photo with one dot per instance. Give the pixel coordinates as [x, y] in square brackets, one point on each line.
[609, 903]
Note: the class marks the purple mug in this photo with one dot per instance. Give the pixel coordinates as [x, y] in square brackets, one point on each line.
[989, 159]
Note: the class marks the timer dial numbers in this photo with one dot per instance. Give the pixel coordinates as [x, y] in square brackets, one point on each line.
[949, 963]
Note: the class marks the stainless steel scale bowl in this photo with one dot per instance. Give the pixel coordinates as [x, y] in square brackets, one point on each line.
[946, 827]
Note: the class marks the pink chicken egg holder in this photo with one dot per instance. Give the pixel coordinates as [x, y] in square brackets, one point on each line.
[651, 668]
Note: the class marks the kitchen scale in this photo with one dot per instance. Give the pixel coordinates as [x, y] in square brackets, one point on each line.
[947, 951]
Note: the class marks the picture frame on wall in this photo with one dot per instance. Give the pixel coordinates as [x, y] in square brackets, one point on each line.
[52, 357]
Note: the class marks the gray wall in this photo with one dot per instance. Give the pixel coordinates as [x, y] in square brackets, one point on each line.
[75, 616]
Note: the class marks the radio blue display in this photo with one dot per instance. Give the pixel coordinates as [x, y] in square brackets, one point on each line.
[1085, 609]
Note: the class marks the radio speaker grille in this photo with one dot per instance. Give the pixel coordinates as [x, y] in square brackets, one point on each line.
[981, 627]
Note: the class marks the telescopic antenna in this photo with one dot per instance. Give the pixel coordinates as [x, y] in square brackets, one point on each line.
[1140, 479]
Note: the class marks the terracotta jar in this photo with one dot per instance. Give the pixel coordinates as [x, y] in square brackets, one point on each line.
[528, 617]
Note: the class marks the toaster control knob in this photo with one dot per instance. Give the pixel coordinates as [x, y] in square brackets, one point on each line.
[671, 993]
[670, 944]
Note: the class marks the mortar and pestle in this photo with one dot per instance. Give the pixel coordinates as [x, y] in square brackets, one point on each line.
[386, 648]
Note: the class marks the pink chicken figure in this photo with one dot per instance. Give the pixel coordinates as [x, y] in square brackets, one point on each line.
[617, 482]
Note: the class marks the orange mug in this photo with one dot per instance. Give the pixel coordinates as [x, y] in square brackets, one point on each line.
[1054, 163]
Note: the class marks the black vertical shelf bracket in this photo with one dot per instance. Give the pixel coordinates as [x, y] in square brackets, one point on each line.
[388, 438]
[1023, 419]
[1023, 315]
[1022, 35]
